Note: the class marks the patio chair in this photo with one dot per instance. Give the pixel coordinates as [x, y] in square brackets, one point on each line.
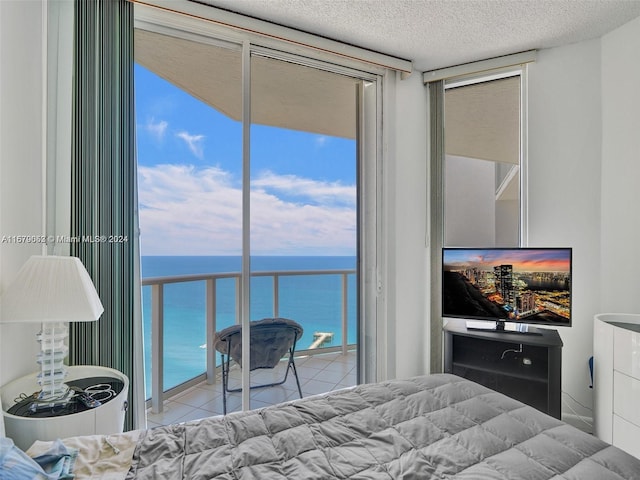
[270, 340]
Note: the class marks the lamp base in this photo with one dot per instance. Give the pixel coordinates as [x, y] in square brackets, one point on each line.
[52, 392]
[45, 402]
[53, 371]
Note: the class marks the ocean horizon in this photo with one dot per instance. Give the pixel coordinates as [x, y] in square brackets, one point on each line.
[313, 301]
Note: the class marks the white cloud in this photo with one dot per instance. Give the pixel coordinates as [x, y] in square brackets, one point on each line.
[329, 193]
[198, 211]
[194, 142]
[321, 140]
[156, 129]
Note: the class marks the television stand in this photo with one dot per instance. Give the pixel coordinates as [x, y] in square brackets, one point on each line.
[525, 367]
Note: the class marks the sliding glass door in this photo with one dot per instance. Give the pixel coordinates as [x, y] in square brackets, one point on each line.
[252, 183]
[189, 138]
[303, 218]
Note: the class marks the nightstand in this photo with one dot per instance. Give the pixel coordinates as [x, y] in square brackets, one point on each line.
[616, 380]
[25, 426]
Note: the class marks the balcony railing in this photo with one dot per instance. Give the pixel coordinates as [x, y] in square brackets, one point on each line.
[157, 284]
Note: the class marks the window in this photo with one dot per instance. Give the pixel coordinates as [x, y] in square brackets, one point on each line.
[482, 165]
[303, 100]
[478, 164]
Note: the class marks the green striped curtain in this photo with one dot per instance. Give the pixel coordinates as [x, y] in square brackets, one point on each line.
[436, 137]
[103, 198]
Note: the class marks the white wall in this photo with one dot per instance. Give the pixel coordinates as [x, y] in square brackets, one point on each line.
[21, 162]
[584, 169]
[565, 131]
[408, 255]
[620, 234]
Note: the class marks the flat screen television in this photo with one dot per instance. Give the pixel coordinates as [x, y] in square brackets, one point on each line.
[507, 287]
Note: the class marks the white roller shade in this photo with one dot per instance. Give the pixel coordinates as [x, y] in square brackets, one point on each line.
[483, 121]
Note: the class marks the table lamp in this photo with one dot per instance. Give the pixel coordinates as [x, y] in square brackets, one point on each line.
[52, 290]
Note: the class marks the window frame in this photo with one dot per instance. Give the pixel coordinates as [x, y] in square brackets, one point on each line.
[436, 89]
[372, 353]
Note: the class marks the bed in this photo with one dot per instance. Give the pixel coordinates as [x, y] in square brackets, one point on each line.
[435, 426]
[427, 427]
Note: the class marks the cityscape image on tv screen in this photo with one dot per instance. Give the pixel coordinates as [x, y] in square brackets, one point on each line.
[529, 285]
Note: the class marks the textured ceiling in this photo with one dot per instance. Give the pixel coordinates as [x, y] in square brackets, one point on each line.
[441, 33]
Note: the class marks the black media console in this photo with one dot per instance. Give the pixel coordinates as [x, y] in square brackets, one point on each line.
[527, 367]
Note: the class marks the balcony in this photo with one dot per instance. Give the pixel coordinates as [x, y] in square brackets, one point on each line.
[320, 367]
[318, 373]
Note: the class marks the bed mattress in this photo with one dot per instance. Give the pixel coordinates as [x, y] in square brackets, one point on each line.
[435, 426]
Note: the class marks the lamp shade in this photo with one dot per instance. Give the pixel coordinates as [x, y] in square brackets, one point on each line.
[51, 289]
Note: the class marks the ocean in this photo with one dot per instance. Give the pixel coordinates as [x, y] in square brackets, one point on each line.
[313, 301]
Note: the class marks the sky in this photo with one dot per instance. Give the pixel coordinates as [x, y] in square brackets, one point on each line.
[523, 260]
[303, 185]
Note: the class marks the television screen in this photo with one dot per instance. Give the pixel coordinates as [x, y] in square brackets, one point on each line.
[525, 285]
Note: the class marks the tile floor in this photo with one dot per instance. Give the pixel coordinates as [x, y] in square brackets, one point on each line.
[317, 373]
